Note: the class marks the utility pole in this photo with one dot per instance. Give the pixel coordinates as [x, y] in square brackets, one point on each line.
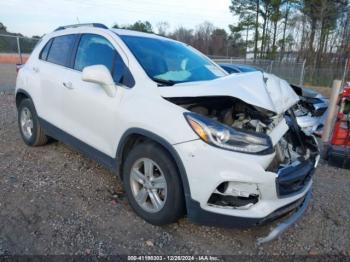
[19, 50]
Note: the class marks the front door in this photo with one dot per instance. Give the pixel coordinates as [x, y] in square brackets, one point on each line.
[90, 114]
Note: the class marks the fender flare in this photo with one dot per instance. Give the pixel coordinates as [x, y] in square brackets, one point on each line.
[20, 90]
[169, 147]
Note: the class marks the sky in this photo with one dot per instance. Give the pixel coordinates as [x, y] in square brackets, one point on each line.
[37, 17]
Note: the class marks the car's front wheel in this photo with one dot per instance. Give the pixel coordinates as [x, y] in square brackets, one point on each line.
[153, 185]
[29, 126]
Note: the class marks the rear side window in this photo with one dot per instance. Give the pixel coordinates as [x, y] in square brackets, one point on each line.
[94, 50]
[61, 49]
[45, 51]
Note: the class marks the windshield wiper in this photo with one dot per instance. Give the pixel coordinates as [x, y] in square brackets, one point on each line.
[163, 82]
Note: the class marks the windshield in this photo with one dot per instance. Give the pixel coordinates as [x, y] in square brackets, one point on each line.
[169, 62]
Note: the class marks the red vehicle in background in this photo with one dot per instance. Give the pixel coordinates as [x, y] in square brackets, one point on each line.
[339, 150]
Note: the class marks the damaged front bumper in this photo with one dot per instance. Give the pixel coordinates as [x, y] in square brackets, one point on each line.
[273, 194]
[295, 213]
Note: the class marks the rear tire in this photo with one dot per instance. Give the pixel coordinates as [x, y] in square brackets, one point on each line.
[156, 196]
[29, 126]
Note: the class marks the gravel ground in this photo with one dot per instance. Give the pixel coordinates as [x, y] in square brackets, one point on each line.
[55, 201]
[7, 77]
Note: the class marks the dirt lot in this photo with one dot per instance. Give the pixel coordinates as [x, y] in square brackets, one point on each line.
[7, 77]
[55, 201]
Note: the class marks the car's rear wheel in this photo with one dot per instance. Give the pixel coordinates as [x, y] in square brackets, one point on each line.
[29, 126]
[153, 185]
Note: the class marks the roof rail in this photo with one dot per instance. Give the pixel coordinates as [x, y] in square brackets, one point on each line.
[79, 25]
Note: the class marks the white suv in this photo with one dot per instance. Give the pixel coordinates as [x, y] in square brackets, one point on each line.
[185, 137]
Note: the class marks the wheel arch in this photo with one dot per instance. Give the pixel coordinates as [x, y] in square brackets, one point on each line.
[136, 135]
[21, 95]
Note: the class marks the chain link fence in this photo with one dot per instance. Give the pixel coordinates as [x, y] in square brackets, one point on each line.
[299, 73]
[292, 72]
[14, 50]
[324, 74]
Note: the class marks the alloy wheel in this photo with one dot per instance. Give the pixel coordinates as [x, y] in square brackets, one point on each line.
[148, 185]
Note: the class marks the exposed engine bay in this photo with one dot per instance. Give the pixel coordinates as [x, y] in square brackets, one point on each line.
[293, 146]
[230, 111]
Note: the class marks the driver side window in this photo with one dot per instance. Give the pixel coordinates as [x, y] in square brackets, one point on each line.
[94, 50]
[97, 50]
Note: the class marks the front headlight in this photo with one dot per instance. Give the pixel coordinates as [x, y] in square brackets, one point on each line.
[219, 135]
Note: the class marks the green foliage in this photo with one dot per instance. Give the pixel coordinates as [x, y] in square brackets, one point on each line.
[2, 28]
[220, 32]
[137, 26]
[246, 11]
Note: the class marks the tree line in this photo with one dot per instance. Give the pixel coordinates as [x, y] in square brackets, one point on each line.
[317, 31]
[204, 37]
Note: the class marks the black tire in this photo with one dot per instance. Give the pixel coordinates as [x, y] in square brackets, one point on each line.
[174, 205]
[38, 137]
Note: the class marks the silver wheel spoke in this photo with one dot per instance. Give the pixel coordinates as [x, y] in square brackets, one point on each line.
[148, 185]
[155, 199]
[148, 165]
[158, 182]
[26, 121]
[141, 196]
[138, 176]
[30, 123]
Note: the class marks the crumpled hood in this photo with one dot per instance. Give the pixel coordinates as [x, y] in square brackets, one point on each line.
[275, 95]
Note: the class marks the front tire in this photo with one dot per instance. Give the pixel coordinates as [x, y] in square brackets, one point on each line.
[29, 126]
[153, 185]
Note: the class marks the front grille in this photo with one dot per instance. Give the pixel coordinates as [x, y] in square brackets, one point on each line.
[294, 178]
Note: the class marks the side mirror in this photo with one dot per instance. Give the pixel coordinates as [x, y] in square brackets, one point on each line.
[99, 74]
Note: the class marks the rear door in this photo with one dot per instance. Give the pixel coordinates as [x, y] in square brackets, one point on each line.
[53, 65]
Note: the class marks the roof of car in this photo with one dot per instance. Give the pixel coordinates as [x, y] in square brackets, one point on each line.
[136, 33]
[96, 26]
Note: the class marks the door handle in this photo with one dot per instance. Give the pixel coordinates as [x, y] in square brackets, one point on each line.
[68, 85]
[35, 69]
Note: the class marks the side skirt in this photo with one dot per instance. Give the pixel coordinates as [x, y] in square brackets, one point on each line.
[89, 151]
